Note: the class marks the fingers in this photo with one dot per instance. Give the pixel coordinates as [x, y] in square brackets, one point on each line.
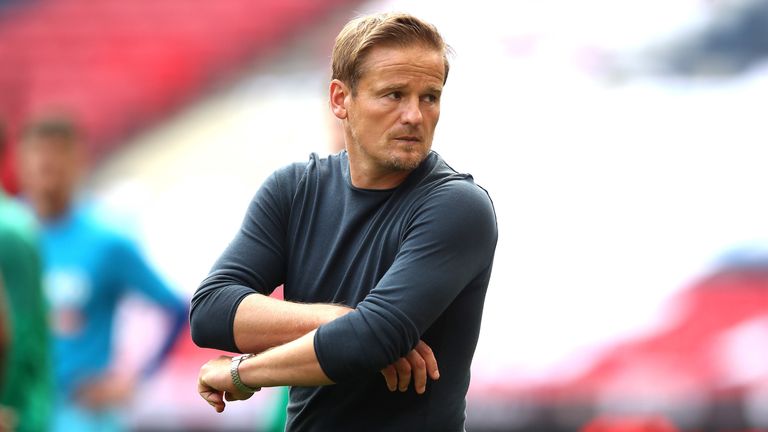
[390, 376]
[230, 396]
[429, 358]
[403, 373]
[214, 384]
[416, 366]
[418, 370]
[214, 397]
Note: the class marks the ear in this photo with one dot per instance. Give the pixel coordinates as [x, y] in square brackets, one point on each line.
[338, 93]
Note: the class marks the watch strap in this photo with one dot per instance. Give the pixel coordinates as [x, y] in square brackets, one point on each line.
[235, 372]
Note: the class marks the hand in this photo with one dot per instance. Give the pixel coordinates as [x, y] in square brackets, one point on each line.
[215, 383]
[106, 391]
[419, 363]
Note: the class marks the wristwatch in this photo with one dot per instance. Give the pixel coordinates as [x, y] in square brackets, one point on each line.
[233, 370]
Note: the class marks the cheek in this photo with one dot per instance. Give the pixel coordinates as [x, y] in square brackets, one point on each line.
[373, 125]
[435, 115]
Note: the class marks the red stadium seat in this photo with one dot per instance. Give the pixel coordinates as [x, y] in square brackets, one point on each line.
[119, 66]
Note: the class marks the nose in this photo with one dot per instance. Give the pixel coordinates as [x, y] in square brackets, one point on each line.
[411, 111]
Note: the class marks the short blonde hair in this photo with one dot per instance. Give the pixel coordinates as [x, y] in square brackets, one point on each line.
[363, 33]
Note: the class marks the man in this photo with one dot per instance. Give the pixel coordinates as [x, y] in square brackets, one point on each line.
[386, 228]
[25, 378]
[89, 267]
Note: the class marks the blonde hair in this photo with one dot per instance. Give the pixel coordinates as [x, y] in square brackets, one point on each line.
[363, 33]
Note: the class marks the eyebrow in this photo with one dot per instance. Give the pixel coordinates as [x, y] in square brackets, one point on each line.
[436, 90]
[395, 87]
[391, 87]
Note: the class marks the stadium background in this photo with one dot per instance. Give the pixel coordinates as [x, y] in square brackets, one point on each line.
[623, 142]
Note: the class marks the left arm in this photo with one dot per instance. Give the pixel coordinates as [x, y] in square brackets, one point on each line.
[448, 244]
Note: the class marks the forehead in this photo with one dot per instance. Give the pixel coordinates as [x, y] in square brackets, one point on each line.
[413, 62]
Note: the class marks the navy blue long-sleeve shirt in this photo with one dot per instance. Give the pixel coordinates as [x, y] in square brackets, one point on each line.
[414, 262]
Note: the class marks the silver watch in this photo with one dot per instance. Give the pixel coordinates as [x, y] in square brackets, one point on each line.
[233, 370]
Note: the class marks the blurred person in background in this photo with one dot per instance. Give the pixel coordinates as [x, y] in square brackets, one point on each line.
[89, 265]
[5, 417]
[385, 227]
[25, 378]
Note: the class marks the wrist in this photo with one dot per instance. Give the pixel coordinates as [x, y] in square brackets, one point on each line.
[234, 371]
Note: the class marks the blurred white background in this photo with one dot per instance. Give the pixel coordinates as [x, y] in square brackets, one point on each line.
[619, 176]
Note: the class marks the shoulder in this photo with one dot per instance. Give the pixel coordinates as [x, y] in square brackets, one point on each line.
[462, 204]
[314, 163]
[453, 213]
[446, 187]
[290, 177]
[451, 204]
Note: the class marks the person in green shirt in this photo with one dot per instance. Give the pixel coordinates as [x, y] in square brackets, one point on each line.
[7, 418]
[26, 379]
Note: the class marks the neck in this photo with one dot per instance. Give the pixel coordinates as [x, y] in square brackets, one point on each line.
[375, 178]
[48, 210]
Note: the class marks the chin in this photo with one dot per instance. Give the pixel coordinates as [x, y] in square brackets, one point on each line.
[408, 162]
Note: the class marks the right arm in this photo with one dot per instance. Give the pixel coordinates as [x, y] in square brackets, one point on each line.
[232, 310]
[250, 268]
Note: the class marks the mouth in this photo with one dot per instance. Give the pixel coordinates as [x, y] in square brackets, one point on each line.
[408, 138]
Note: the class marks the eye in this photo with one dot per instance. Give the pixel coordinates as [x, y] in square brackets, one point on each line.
[395, 95]
[430, 98]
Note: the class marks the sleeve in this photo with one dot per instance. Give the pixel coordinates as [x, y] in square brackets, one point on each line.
[136, 274]
[254, 262]
[449, 243]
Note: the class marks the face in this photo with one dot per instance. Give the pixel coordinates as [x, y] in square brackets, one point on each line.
[49, 170]
[390, 120]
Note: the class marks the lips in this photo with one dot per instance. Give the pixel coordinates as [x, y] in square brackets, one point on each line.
[408, 138]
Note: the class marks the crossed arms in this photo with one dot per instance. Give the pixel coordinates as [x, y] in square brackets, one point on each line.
[283, 332]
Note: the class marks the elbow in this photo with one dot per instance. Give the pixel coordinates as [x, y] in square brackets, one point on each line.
[207, 331]
[364, 342]
[199, 331]
[194, 331]
[212, 315]
[388, 330]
